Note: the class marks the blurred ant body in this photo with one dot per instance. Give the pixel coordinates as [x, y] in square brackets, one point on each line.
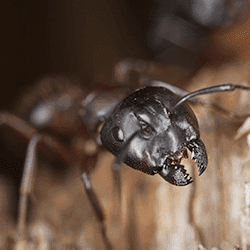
[150, 130]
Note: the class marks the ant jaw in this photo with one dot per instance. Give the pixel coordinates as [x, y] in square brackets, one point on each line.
[198, 154]
[175, 173]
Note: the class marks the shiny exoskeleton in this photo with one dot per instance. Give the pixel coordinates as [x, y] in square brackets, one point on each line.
[164, 134]
[150, 130]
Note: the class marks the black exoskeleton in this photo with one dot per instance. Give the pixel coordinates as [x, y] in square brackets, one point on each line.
[163, 134]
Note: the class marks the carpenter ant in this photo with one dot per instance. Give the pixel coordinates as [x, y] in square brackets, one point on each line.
[150, 130]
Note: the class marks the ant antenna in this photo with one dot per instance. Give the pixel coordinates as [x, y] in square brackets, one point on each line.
[210, 90]
[117, 179]
[120, 158]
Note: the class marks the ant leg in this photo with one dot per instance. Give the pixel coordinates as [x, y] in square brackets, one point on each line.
[222, 110]
[97, 208]
[18, 125]
[211, 90]
[176, 90]
[131, 72]
[26, 185]
[47, 144]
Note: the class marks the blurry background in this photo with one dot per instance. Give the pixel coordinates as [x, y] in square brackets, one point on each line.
[84, 39]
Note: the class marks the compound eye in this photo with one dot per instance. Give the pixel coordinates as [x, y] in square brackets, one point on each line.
[118, 134]
[147, 130]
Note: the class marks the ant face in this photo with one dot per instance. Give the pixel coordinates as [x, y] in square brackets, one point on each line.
[157, 138]
[143, 152]
[162, 137]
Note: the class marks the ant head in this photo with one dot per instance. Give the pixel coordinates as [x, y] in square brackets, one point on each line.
[146, 132]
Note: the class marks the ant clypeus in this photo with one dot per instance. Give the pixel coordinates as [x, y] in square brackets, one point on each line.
[150, 130]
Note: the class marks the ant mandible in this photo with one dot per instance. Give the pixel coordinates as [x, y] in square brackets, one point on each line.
[150, 130]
